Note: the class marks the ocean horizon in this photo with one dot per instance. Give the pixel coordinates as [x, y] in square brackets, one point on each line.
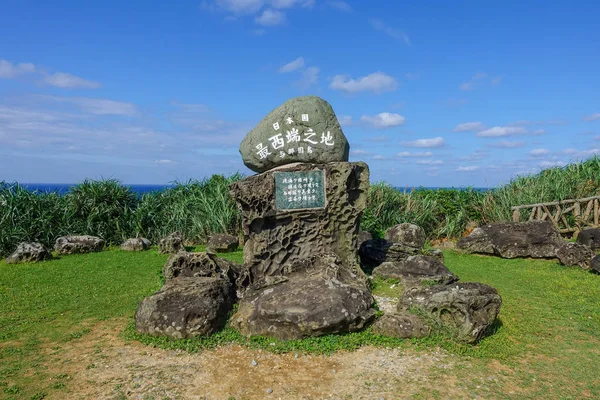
[63, 188]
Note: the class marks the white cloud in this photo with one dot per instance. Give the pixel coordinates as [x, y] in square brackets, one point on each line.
[469, 127]
[466, 86]
[164, 162]
[470, 168]
[538, 132]
[552, 164]
[68, 81]
[380, 139]
[9, 70]
[298, 63]
[345, 120]
[384, 120]
[310, 77]
[430, 143]
[97, 106]
[507, 144]
[418, 154]
[376, 82]
[539, 152]
[360, 152]
[479, 78]
[499, 131]
[592, 117]
[340, 5]
[496, 81]
[240, 6]
[430, 162]
[378, 157]
[394, 33]
[270, 17]
[291, 3]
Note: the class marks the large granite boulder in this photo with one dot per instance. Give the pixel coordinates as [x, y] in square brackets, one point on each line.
[575, 255]
[276, 237]
[314, 296]
[171, 243]
[186, 307]
[535, 239]
[410, 235]
[590, 237]
[29, 252]
[222, 243]
[465, 310]
[416, 269]
[401, 325]
[374, 252]
[303, 129]
[78, 244]
[136, 244]
[200, 265]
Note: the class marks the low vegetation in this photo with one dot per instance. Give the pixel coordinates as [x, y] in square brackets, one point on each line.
[200, 208]
[546, 340]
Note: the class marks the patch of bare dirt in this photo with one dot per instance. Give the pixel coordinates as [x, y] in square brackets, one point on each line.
[102, 366]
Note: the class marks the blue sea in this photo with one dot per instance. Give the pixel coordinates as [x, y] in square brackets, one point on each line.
[63, 188]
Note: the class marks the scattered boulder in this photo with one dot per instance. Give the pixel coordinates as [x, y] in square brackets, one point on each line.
[306, 123]
[535, 239]
[186, 307]
[575, 255]
[362, 237]
[590, 237]
[401, 325]
[222, 243]
[316, 296]
[408, 234]
[171, 244]
[435, 253]
[415, 269]
[78, 244]
[136, 244]
[595, 264]
[200, 265]
[464, 309]
[29, 252]
[374, 252]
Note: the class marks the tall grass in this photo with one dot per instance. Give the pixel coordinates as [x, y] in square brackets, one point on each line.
[200, 208]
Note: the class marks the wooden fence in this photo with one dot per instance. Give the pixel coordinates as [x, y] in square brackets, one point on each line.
[565, 215]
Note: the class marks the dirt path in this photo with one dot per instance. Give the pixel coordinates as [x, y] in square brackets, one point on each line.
[102, 366]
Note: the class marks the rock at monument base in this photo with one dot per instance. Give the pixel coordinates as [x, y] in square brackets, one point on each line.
[590, 237]
[29, 252]
[595, 264]
[171, 243]
[465, 309]
[308, 123]
[415, 269]
[136, 244]
[410, 235]
[200, 265]
[317, 296]
[186, 307]
[222, 243]
[535, 239]
[276, 237]
[435, 253]
[377, 251]
[78, 244]
[401, 325]
[575, 255]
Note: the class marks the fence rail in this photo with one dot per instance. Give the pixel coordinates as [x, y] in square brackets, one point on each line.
[565, 215]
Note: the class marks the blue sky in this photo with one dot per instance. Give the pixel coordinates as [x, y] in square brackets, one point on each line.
[432, 93]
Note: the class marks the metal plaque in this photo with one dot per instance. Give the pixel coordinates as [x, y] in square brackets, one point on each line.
[299, 190]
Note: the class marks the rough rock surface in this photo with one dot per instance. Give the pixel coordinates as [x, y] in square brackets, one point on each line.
[188, 265]
[363, 236]
[401, 325]
[276, 238]
[186, 307]
[171, 244]
[535, 239]
[408, 234]
[78, 244]
[377, 251]
[595, 264]
[575, 255]
[321, 133]
[435, 253]
[416, 269]
[29, 252]
[315, 296]
[136, 244]
[465, 309]
[222, 243]
[590, 237]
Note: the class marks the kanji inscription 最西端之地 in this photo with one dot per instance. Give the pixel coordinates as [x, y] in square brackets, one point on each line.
[299, 189]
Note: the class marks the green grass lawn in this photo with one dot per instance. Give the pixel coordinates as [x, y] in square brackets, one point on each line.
[547, 337]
